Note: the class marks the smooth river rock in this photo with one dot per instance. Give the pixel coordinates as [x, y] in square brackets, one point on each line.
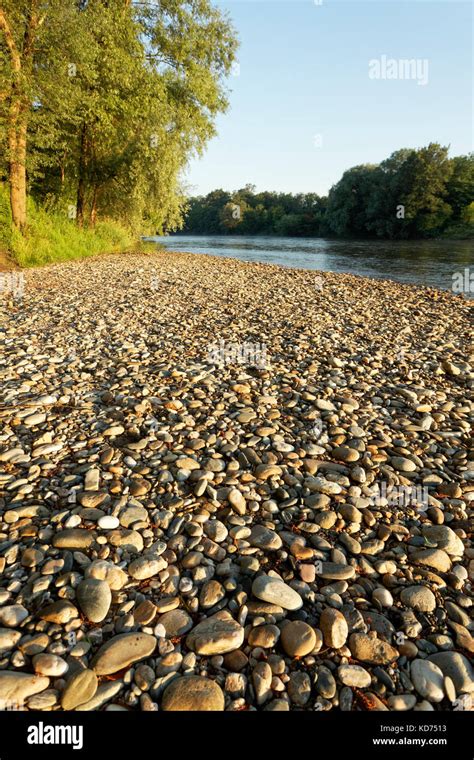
[334, 627]
[193, 693]
[217, 634]
[418, 598]
[274, 591]
[372, 650]
[15, 687]
[298, 638]
[457, 667]
[122, 651]
[81, 687]
[427, 679]
[94, 598]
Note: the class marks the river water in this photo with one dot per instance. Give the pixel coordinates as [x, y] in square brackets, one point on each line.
[437, 263]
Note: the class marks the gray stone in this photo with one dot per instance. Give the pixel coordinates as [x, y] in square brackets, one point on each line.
[79, 689]
[193, 693]
[176, 623]
[418, 598]
[354, 675]
[94, 598]
[427, 679]
[372, 650]
[264, 538]
[122, 651]
[15, 687]
[217, 634]
[457, 667]
[274, 591]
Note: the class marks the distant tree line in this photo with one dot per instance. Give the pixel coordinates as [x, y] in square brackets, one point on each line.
[415, 193]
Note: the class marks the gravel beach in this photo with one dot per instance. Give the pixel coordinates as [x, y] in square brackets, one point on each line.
[233, 486]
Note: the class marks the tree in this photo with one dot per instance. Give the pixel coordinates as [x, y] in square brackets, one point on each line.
[106, 100]
[349, 199]
[423, 177]
[21, 24]
[460, 185]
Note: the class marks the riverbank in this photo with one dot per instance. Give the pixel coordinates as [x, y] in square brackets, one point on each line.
[255, 477]
[432, 263]
[52, 237]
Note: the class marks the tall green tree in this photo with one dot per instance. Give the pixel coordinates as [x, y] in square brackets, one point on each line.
[29, 54]
[105, 101]
[460, 185]
[348, 201]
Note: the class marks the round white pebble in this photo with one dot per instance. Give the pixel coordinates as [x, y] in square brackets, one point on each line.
[72, 522]
[108, 522]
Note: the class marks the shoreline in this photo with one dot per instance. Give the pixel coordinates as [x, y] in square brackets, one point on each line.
[168, 252]
[228, 472]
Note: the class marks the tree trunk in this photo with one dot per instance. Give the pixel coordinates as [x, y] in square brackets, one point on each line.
[95, 198]
[81, 185]
[17, 170]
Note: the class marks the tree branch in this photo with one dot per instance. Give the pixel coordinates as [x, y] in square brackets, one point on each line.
[14, 52]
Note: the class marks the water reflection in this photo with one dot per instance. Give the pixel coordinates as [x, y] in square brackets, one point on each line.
[426, 262]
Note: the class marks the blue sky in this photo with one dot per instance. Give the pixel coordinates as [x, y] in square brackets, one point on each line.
[303, 107]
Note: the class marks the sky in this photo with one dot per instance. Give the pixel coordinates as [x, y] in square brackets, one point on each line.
[308, 99]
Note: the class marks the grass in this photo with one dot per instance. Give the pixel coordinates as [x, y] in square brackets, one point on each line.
[53, 237]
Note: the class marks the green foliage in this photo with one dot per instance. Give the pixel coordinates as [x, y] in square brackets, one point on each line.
[412, 194]
[116, 96]
[249, 213]
[52, 237]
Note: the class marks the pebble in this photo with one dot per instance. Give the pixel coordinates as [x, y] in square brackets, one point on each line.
[59, 612]
[193, 693]
[230, 506]
[143, 568]
[401, 702]
[335, 571]
[457, 667]
[354, 676]
[427, 679]
[15, 687]
[334, 628]
[435, 558]
[418, 598]
[108, 522]
[176, 622]
[94, 598]
[12, 615]
[299, 688]
[8, 639]
[402, 464]
[274, 591]
[444, 538]
[121, 651]
[298, 638]
[371, 650]
[217, 634]
[79, 689]
[264, 538]
[73, 538]
[50, 665]
[262, 681]
[114, 576]
[383, 596]
[265, 636]
[237, 501]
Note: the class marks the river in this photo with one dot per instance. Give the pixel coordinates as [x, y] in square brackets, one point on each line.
[438, 263]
